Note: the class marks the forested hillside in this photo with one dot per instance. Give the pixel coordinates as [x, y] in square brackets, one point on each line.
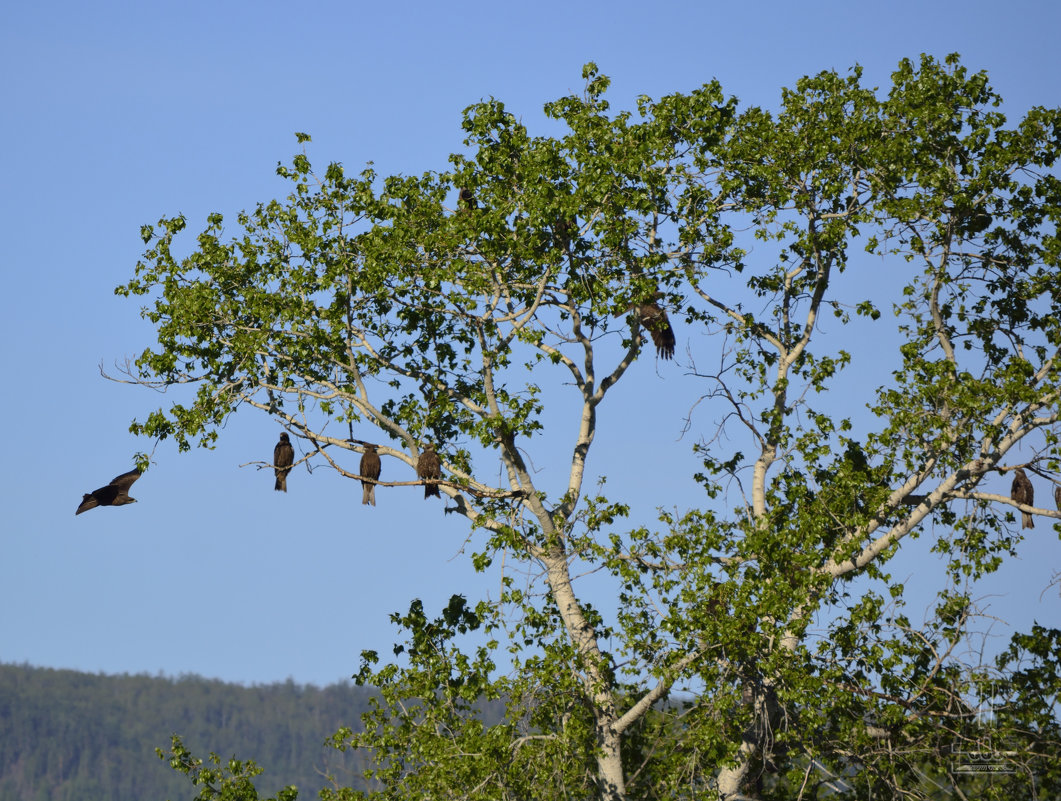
[70, 736]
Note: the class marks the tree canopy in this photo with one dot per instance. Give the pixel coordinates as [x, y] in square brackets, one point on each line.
[755, 646]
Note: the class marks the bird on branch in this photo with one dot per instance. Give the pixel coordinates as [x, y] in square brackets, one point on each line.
[370, 468]
[1023, 492]
[428, 466]
[283, 458]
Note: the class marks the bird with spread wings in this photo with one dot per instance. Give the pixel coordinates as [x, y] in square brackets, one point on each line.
[653, 318]
[114, 494]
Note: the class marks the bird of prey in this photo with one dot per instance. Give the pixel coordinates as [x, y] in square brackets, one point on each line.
[428, 466]
[283, 458]
[1023, 493]
[467, 199]
[1057, 497]
[114, 494]
[653, 318]
[369, 469]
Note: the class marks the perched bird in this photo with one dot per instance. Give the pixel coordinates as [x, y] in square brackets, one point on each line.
[428, 466]
[467, 199]
[1023, 493]
[1057, 497]
[369, 469]
[114, 494]
[283, 458]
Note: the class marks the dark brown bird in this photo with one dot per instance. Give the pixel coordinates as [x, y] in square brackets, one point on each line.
[467, 199]
[370, 467]
[283, 458]
[428, 466]
[1057, 497]
[114, 494]
[653, 318]
[1023, 493]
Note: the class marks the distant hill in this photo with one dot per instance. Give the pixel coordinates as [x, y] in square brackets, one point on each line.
[70, 736]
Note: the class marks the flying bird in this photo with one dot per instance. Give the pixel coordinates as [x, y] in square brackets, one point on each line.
[1023, 493]
[283, 458]
[370, 467]
[114, 494]
[653, 318]
[428, 466]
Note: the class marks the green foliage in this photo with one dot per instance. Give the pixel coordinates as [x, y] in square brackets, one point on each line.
[757, 644]
[230, 781]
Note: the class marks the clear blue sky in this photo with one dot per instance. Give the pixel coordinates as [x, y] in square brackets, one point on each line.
[117, 113]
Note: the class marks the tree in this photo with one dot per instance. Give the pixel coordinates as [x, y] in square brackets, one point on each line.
[755, 647]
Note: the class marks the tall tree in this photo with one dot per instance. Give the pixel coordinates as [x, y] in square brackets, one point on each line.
[754, 647]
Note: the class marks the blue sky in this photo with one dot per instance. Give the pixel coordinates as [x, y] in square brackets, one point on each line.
[115, 114]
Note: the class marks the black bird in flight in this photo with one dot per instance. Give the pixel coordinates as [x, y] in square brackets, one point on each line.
[370, 468]
[283, 458]
[114, 494]
[429, 466]
[1023, 493]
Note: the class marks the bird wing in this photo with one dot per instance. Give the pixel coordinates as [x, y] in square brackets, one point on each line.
[88, 502]
[125, 480]
[654, 318]
[662, 335]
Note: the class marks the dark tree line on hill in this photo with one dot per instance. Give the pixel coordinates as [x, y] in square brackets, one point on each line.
[70, 736]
